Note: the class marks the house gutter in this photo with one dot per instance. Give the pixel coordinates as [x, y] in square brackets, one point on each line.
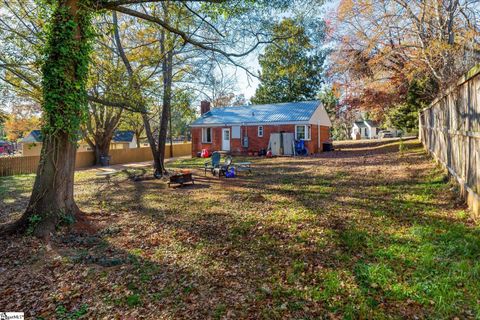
[249, 124]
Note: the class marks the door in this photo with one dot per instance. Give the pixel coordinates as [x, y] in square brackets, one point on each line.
[226, 139]
[274, 144]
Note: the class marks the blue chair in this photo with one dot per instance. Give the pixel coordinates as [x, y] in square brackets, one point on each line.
[213, 163]
[222, 169]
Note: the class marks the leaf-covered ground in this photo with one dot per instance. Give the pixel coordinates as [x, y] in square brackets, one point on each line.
[364, 232]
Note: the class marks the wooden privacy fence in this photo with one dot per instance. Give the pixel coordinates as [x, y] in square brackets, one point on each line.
[450, 131]
[20, 165]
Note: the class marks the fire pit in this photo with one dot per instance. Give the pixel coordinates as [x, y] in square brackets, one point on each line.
[181, 178]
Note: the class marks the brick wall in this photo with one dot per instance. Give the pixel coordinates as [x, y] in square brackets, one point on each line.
[255, 142]
[324, 136]
[198, 145]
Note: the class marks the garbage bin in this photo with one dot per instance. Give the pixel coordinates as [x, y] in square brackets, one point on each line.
[105, 161]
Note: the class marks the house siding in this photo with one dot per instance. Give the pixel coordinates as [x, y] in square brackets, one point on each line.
[255, 143]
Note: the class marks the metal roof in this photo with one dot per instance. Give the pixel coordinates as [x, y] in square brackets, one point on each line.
[360, 124]
[119, 136]
[123, 136]
[278, 112]
[365, 123]
[371, 123]
[33, 136]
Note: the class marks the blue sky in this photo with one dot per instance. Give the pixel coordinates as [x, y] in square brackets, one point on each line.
[247, 85]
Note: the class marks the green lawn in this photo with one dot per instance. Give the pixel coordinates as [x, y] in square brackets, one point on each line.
[364, 232]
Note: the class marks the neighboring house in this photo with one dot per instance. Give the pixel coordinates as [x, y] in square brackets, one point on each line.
[245, 129]
[32, 144]
[123, 140]
[364, 129]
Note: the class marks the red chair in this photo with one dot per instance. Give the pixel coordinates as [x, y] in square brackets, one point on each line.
[205, 153]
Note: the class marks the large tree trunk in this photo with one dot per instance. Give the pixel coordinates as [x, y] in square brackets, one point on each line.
[52, 196]
[167, 71]
[100, 129]
[162, 137]
[170, 131]
[102, 147]
[151, 141]
[137, 135]
[136, 86]
[64, 78]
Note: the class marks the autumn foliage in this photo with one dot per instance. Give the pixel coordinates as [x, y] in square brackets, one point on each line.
[21, 121]
[383, 46]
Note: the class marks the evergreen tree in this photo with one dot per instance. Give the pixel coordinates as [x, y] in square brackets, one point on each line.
[291, 67]
[405, 115]
[330, 101]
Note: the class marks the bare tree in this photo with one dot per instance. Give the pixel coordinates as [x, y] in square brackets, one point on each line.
[383, 45]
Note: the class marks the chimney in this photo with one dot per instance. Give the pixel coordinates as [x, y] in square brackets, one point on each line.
[204, 107]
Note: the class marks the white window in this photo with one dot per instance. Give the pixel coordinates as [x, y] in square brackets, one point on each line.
[236, 132]
[303, 132]
[207, 135]
[260, 131]
[226, 134]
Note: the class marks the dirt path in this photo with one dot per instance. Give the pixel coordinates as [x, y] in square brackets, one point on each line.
[363, 232]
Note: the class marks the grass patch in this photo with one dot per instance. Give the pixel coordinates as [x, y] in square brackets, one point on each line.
[301, 238]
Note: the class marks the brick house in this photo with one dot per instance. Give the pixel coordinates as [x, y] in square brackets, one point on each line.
[245, 129]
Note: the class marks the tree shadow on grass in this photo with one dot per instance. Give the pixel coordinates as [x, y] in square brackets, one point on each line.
[14, 196]
[275, 245]
[96, 272]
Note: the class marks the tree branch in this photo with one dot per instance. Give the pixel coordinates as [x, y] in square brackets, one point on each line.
[184, 35]
[110, 4]
[115, 104]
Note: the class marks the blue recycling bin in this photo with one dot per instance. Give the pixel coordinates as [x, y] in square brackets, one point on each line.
[300, 148]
